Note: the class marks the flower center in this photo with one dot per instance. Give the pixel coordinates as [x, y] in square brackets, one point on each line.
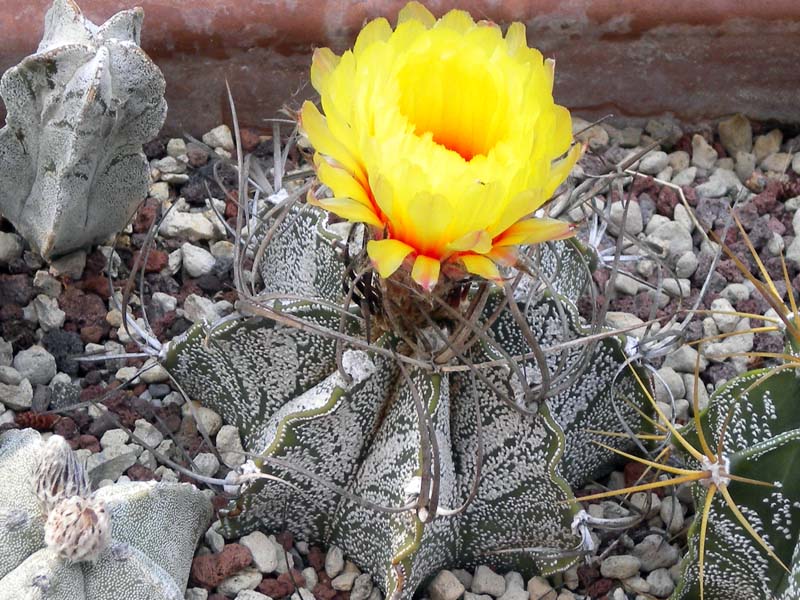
[457, 101]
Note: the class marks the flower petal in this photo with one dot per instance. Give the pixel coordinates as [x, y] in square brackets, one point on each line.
[430, 216]
[476, 241]
[535, 231]
[459, 21]
[505, 256]
[516, 37]
[323, 64]
[561, 169]
[377, 30]
[347, 208]
[387, 255]
[341, 182]
[316, 129]
[481, 266]
[426, 272]
[414, 11]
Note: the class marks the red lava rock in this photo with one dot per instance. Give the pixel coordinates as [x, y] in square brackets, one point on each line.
[599, 588]
[684, 143]
[92, 334]
[15, 289]
[66, 428]
[299, 580]
[250, 139]
[231, 209]
[666, 201]
[188, 287]
[323, 592]
[89, 442]
[95, 284]
[83, 308]
[10, 312]
[690, 195]
[587, 574]
[766, 202]
[156, 260]
[633, 472]
[160, 326]
[219, 502]
[316, 558]
[211, 569]
[34, 420]
[727, 268]
[145, 216]
[644, 184]
[218, 597]
[278, 589]
[140, 473]
[286, 539]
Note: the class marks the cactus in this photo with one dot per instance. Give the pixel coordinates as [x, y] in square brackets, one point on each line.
[758, 427]
[355, 448]
[62, 542]
[79, 110]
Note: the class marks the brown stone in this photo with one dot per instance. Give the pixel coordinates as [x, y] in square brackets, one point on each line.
[95, 284]
[275, 588]
[15, 289]
[316, 558]
[210, 570]
[156, 260]
[66, 428]
[324, 592]
[89, 442]
[140, 473]
[599, 588]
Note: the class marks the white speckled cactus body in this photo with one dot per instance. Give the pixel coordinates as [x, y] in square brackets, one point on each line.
[758, 418]
[408, 469]
[132, 541]
[72, 169]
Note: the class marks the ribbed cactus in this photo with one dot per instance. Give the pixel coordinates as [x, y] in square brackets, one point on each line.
[406, 465]
[757, 418]
[60, 541]
[72, 169]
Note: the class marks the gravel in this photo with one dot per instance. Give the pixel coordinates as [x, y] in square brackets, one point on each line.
[191, 284]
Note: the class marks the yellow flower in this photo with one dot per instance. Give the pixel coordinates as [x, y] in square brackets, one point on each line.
[442, 135]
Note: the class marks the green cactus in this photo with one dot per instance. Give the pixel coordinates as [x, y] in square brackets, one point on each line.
[409, 467]
[61, 542]
[758, 421]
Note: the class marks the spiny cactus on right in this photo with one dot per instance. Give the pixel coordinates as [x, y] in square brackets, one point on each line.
[60, 541]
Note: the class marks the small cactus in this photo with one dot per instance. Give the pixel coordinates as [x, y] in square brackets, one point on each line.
[72, 169]
[60, 541]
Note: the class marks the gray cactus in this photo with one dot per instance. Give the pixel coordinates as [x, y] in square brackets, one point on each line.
[134, 540]
[408, 468]
[72, 169]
